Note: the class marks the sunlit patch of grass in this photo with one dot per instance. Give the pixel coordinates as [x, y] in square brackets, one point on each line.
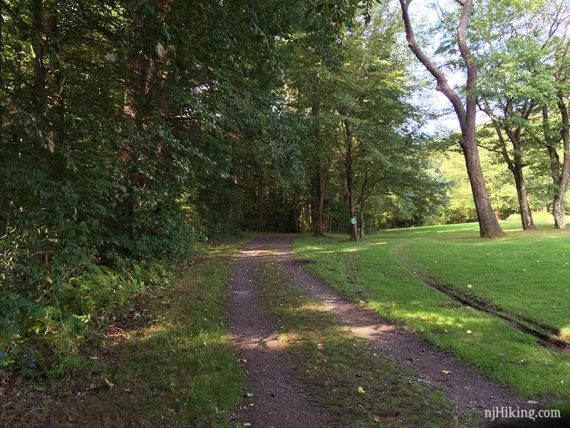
[332, 365]
[378, 276]
[526, 274]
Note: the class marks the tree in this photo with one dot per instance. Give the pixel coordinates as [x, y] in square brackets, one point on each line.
[465, 110]
[517, 80]
[371, 90]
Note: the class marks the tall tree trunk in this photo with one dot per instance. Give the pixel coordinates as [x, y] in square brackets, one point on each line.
[518, 174]
[142, 93]
[565, 173]
[558, 173]
[318, 175]
[515, 165]
[56, 80]
[40, 71]
[558, 212]
[237, 205]
[313, 204]
[2, 112]
[361, 229]
[361, 202]
[317, 202]
[488, 224]
[260, 207]
[466, 114]
[348, 166]
[525, 211]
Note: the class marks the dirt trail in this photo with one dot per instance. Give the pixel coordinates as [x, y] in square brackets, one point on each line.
[279, 401]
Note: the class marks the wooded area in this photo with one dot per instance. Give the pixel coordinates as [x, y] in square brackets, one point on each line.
[131, 131]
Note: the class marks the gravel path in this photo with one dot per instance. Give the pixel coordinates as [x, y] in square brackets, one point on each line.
[278, 400]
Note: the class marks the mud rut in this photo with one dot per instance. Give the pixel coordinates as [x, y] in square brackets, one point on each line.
[276, 399]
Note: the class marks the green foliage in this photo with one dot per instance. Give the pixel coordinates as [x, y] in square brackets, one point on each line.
[116, 139]
[173, 364]
[132, 131]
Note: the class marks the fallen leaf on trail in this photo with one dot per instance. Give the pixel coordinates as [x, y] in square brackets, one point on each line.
[243, 360]
[446, 372]
[109, 383]
[376, 419]
[360, 390]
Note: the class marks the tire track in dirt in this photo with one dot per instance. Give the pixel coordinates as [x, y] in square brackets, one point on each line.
[278, 399]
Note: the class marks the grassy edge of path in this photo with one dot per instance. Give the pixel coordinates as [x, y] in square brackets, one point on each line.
[174, 366]
[489, 344]
[342, 373]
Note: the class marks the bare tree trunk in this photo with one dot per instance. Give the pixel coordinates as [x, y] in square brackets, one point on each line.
[319, 179]
[488, 223]
[466, 114]
[317, 202]
[525, 211]
[313, 205]
[361, 229]
[260, 207]
[361, 202]
[558, 173]
[40, 71]
[350, 180]
[516, 168]
[558, 212]
[55, 82]
[515, 165]
[2, 112]
[565, 173]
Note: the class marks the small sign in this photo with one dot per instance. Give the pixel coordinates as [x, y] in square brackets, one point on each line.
[353, 220]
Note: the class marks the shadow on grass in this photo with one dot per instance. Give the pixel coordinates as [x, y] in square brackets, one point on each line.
[488, 343]
[342, 373]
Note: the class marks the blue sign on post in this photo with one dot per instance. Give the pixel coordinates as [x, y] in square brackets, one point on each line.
[352, 220]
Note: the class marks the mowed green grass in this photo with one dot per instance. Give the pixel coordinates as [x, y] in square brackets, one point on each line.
[373, 271]
[526, 274]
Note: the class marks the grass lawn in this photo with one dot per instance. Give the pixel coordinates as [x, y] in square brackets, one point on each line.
[526, 274]
[373, 271]
[332, 365]
[175, 368]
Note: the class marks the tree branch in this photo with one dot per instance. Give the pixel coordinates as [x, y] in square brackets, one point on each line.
[436, 72]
